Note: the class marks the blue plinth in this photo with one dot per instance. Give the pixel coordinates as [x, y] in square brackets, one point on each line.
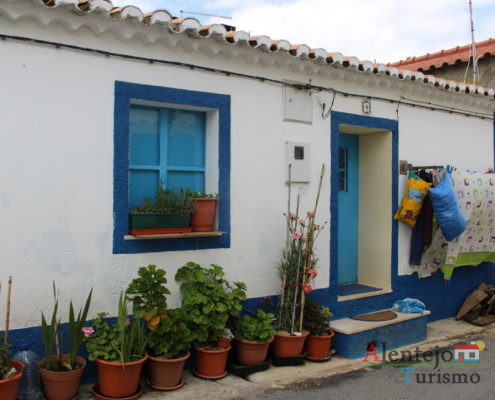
[395, 335]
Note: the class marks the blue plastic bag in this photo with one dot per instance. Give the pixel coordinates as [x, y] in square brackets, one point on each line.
[409, 306]
[450, 218]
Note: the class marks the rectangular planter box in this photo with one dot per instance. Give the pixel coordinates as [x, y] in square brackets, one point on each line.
[154, 223]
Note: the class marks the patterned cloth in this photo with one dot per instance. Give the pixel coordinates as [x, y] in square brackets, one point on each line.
[476, 197]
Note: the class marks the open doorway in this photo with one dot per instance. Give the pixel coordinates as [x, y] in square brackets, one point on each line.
[364, 204]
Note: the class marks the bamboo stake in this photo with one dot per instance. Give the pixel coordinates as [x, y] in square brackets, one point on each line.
[7, 318]
[294, 305]
[287, 219]
[309, 249]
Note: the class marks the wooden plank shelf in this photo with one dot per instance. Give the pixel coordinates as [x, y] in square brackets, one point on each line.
[174, 235]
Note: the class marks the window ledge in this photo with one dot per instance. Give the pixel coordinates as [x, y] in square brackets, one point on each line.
[363, 295]
[174, 235]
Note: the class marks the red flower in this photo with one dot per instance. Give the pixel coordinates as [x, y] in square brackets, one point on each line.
[308, 287]
[313, 272]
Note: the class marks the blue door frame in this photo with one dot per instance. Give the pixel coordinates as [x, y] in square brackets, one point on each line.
[338, 118]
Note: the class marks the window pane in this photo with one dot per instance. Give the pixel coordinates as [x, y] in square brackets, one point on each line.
[192, 180]
[186, 139]
[142, 184]
[145, 136]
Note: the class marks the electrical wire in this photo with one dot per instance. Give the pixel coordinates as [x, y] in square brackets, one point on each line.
[308, 87]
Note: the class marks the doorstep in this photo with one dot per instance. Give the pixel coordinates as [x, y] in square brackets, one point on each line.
[440, 334]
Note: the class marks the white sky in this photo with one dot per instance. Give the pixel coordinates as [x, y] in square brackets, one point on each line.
[381, 30]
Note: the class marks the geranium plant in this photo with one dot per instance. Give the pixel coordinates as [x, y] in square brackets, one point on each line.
[258, 328]
[208, 301]
[297, 269]
[316, 318]
[166, 201]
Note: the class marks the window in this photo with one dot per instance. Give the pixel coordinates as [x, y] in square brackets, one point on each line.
[179, 138]
[167, 146]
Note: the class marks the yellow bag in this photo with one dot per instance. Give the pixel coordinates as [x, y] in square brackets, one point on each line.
[414, 194]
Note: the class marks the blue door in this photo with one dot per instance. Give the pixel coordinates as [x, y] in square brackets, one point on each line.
[348, 206]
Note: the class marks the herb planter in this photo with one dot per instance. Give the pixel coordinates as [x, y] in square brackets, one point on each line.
[8, 387]
[166, 374]
[119, 380]
[285, 345]
[156, 223]
[62, 385]
[318, 347]
[203, 217]
[210, 363]
[250, 352]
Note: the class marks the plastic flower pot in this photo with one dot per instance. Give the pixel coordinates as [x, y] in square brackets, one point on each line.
[203, 217]
[250, 352]
[166, 374]
[8, 387]
[119, 380]
[318, 347]
[155, 223]
[210, 363]
[285, 345]
[62, 385]
[223, 343]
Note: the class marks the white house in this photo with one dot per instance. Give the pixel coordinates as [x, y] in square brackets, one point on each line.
[79, 77]
[467, 353]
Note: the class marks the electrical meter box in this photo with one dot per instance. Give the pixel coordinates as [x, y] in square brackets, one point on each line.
[297, 156]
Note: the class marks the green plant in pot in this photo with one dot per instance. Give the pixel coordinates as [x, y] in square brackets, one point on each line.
[208, 301]
[119, 349]
[253, 337]
[205, 204]
[316, 321]
[61, 373]
[170, 335]
[169, 212]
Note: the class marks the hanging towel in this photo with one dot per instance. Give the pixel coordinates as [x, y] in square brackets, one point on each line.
[476, 196]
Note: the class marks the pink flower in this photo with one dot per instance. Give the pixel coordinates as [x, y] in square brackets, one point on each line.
[308, 287]
[313, 272]
[302, 222]
[88, 330]
[296, 235]
[293, 216]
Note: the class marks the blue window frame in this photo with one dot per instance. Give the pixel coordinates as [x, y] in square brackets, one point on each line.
[166, 141]
[167, 147]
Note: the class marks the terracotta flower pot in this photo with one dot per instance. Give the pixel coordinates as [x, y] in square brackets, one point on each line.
[223, 343]
[203, 217]
[210, 364]
[250, 352]
[318, 347]
[8, 387]
[62, 385]
[119, 380]
[166, 374]
[287, 345]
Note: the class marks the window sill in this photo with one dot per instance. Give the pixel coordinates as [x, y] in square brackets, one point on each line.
[174, 235]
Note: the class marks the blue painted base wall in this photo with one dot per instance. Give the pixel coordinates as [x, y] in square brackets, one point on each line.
[442, 300]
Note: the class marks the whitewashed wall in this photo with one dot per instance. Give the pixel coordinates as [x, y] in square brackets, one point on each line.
[56, 158]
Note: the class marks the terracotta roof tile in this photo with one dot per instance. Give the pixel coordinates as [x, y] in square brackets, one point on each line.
[458, 54]
[402, 70]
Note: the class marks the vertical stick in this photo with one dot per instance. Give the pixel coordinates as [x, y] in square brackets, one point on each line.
[309, 249]
[7, 318]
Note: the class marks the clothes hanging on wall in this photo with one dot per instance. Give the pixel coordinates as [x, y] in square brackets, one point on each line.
[476, 197]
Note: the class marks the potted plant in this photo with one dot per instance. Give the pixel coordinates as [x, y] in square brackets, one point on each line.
[203, 217]
[319, 342]
[296, 269]
[208, 301]
[169, 212]
[10, 370]
[225, 340]
[61, 373]
[253, 337]
[170, 336]
[119, 350]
